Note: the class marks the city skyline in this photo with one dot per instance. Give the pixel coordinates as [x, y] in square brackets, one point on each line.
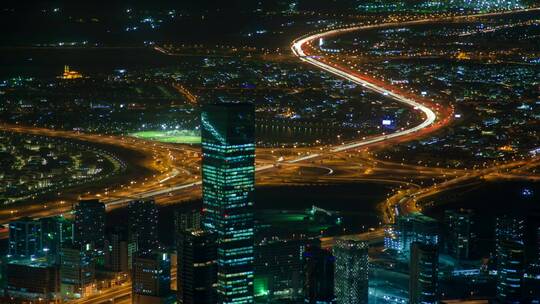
[276, 151]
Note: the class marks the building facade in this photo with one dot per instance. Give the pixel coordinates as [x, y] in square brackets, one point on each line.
[55, 231]
[151, 279]
[34, 280]
[89, 226]
[279, 268]
[24, 238]
[319, 267]
[423, 274]
[77, 272]
[197, 267]
[510, 269]
[228, 173]
[459, 235]
[413, 227]
[118, 251]
[352, 272]
[143, 225]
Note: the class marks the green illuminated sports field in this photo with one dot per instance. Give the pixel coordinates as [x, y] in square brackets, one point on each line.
[176, 136]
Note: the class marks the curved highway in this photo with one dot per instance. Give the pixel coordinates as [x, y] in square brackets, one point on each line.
[298, 49]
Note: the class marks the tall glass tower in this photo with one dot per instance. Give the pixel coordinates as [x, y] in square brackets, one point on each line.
[228, 172]
[351, 272]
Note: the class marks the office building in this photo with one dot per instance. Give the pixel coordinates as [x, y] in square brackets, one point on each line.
[413, 227]
[33, 280]
[510, 269]
[151, 279]
[279, 268]
[143, 225]
[24, 238]
[55, 231]
[509, 227]
[89, 226]
[187, 220]
[118, 251]
[352, 271]
[77, 272]
[197, 267]
[228, 173]
[459, 235]
[319, 266]
[423, 273]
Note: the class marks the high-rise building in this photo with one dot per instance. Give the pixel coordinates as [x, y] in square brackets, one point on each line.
[34, 280]
[279, 268]
[187, 220]
[532, 278]
[55, 231]
[197, 267]
[228, 178]
[24, 238]
[424, 269]
[117, 251]
[459, 235]
[77, 272]
[89, 227]
[143, 225]
[413, 227]
[510, 227]
[352, 271]
[151, 279]
[510, 269]
[319, 266]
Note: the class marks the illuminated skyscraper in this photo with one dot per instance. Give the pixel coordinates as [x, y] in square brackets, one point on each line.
[352, 270]
[143, 221]
[510, 257]
[228, 172]
[424, 270]
[510, 268]
[89, 228]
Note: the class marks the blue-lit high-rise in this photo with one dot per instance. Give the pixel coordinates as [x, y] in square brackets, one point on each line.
[510, 268]
[228, 172]
[24, 238]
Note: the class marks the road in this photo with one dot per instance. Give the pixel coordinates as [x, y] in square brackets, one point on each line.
[168, 160]
[107, 296]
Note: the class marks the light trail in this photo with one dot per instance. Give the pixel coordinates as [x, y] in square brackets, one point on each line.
[154, 193]
[297, 49]
[430, 116]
